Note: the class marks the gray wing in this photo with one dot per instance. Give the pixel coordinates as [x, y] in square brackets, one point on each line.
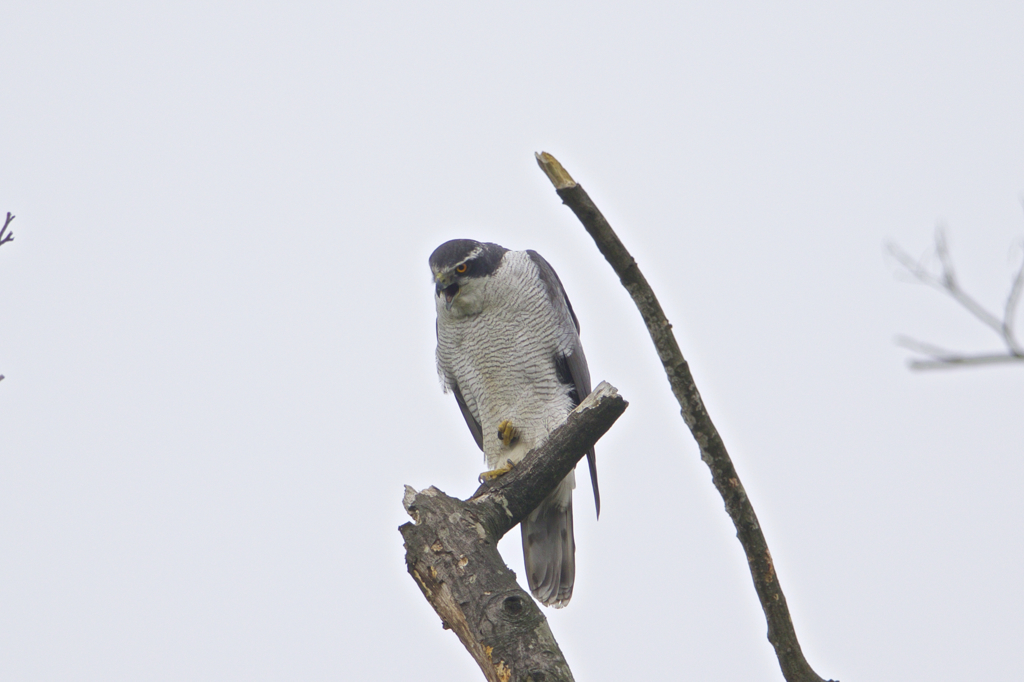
[471, 422]
[467, 414]
[571, 368]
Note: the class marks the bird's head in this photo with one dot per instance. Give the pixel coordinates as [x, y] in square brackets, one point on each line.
[459, 264]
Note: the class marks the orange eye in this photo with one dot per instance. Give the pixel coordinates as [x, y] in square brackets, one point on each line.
[461, 268]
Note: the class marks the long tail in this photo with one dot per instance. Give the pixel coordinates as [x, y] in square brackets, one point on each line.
[549, 550]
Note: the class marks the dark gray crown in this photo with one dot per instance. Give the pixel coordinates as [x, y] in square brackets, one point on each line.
[482, 258]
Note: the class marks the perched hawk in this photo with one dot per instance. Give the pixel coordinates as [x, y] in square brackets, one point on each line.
[508, 347]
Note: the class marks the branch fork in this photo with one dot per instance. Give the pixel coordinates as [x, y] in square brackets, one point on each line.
[947, 282]
[451, 550]
[9, 237]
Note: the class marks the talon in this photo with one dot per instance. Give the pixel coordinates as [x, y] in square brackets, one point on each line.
[488, 476]
[507, 433]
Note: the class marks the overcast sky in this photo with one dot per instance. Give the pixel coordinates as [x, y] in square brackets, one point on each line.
[217, 328]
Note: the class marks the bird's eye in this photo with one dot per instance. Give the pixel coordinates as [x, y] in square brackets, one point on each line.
[461, 268]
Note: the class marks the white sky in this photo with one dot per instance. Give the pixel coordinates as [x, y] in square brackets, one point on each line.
[216, 325]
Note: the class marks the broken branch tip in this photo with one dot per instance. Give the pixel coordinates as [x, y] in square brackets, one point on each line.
[556, 173]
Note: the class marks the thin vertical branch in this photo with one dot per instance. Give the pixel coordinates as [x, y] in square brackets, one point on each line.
[781, 632]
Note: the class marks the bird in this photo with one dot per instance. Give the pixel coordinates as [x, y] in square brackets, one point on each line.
[508, 348]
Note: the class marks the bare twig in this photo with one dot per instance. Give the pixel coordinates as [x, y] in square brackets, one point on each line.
[922, 347]
[781, 633]
[9, 237]
[946, 282]
[953, 361]
[451, 551]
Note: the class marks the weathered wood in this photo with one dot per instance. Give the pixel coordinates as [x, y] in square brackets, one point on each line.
[451, 551]
[781, 632]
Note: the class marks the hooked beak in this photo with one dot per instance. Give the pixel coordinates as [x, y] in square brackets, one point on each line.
[444, 285]
[450, 292]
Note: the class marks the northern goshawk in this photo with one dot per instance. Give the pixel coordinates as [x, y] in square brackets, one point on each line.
[508, 347]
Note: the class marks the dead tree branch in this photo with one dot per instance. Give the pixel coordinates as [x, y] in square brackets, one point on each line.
[946, 281]
[451, 550]
[781, 633]
[9, 237]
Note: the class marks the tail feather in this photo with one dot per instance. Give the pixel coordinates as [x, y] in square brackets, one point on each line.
[549, 550]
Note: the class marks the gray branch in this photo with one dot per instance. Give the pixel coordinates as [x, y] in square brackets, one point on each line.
[451, 550]
[781, 633]
[9, 237]
[946, 281]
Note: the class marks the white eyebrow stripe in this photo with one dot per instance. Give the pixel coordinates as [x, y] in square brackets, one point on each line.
[472, 254]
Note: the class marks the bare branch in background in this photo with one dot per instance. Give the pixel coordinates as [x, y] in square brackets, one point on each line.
[781, 632]
[946, 281]
[9, 237]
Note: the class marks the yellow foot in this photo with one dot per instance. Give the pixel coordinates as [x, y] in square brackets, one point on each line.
[489, 476]
[507, 433]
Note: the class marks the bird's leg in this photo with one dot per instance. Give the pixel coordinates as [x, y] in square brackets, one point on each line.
[508, 435]
[488, 476]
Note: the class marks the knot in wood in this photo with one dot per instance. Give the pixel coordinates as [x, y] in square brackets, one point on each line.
[513, 606]
[510, 611]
